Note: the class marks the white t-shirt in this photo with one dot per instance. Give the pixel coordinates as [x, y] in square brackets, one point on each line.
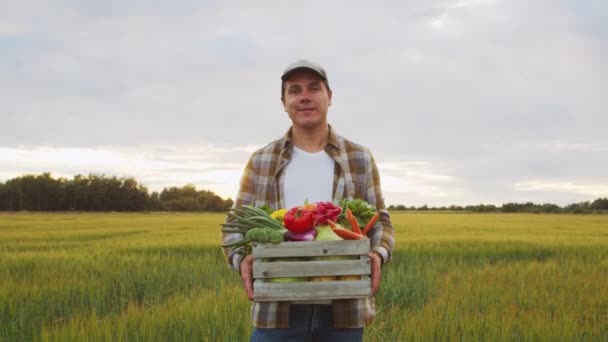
[308, 176]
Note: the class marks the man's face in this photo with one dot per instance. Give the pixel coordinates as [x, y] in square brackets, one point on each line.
[306, 99]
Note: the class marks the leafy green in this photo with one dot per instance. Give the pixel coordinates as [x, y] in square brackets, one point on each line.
[362, 210]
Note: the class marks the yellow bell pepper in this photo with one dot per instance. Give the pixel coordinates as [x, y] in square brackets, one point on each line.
[279, 214]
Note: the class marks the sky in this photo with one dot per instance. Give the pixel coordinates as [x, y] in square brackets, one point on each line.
[460, 102]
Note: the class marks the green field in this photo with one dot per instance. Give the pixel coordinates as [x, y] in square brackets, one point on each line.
[160, 276]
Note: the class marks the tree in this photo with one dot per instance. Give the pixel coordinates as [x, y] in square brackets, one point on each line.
[579, 208]
[183, 204]
[228, 204]
[599, 204]
[3, 197]
[154, 203]
[188, 190]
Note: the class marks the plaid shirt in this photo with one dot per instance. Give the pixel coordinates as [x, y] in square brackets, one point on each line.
[355, 176]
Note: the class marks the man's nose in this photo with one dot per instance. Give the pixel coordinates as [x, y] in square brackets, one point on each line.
[305, 96]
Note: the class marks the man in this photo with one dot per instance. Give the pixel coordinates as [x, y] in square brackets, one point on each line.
[311, 162]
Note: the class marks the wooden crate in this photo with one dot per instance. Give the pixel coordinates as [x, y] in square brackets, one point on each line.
[270, 262]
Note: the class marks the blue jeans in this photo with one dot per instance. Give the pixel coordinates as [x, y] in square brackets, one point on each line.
[308, 323]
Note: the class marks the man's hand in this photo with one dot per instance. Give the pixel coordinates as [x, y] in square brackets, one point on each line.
[246, 268]
[376, 261]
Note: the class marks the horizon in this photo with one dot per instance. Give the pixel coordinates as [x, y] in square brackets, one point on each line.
[198, 189]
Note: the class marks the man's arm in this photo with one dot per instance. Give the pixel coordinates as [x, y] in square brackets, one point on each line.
[245, 196]
[381, 236]
[246, 269]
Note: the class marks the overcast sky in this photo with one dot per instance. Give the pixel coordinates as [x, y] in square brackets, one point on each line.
[461, 102]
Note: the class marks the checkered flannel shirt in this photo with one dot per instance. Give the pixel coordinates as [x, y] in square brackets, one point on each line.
[355, 176]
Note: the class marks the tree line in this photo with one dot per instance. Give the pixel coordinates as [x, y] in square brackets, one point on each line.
[98, 192]
[599, 205]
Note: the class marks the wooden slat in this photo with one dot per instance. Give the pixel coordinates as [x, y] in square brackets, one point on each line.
[359, 266]
[311, 248]
[311, 290]
[311, 259]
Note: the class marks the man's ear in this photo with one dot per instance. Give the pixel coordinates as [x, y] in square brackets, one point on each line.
[283, 103]
[330, 94]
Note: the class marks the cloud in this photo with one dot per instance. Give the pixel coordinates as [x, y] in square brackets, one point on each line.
[439, 21]
[211, 169]
[591, 190]
[458, 100]
[400, 179]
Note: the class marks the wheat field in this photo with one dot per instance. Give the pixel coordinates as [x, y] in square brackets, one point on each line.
[161, 276]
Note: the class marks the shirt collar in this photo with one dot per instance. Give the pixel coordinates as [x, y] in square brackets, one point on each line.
[332, 140]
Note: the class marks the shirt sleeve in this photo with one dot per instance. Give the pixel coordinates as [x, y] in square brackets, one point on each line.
[381, 237]
[244, 196]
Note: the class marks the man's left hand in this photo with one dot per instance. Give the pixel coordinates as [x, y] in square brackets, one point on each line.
[376, 261]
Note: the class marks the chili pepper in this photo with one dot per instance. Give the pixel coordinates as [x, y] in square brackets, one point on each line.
[299, 219]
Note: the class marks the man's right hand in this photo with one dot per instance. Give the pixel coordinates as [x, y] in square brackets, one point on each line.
[246, 268]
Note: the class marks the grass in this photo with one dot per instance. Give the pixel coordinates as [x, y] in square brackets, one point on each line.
[161, 276]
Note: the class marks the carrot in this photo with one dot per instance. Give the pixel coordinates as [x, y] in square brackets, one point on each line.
[347, 234]
[370, 224]
[344, 233]
[332, 224]
[353, 221]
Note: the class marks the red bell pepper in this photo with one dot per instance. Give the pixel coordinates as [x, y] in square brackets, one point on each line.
[299, 219]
